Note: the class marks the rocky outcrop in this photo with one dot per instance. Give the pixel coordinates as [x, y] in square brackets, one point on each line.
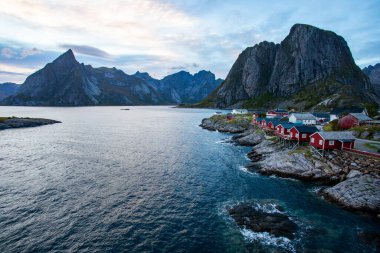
[8, 89]
[309, 67]
[359, 192]
[8, 123]
[277, 224]
[249, 138]
[283, 163]
[221, 124]
[66, 82]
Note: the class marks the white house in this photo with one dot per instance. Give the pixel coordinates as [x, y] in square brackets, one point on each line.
[303, 118]
[239, 111]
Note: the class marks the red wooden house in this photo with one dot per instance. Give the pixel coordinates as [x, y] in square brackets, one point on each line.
[277, 112]
[272, 123]
[302, 133]
[283, 129]
[353, 119]
[257, 121]
[332, 140]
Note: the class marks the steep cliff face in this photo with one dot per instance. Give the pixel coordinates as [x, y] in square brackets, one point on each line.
[373, 73]
[8, 89]
[250, 74]
[310, 60]
[66, 82]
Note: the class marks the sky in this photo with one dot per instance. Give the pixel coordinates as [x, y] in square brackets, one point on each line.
[162, 37]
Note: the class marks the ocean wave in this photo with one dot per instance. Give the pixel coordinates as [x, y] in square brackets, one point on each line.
[266, 239]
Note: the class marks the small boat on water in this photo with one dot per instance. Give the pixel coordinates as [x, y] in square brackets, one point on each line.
[217, 113]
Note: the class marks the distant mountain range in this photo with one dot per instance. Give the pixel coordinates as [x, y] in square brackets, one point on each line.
[8, 89]
[373, 73]
[310, 69]
[66, 82]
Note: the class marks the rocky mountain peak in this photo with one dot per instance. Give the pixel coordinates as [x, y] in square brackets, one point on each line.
[65, 60]
[309, 66]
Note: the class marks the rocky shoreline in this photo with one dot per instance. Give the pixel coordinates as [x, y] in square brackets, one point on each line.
[13, 122]
[350, 181]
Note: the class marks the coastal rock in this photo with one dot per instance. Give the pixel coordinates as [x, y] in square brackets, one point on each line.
[283, 163]
[219, 123]
[277, 224]
[360, 193]
[251, 138]
[25, 122]
[354, 173]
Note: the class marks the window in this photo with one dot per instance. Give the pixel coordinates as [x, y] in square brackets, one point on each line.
[296, 135]
[312, 140]
[331, 143]
[303, 135]
[320, 142]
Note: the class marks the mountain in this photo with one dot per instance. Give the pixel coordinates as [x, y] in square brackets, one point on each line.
[66, 82]
[373, 73]
[182, 87]
[310, 69]
[8, 89]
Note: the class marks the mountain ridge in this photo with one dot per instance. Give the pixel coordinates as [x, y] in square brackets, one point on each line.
[66, 82]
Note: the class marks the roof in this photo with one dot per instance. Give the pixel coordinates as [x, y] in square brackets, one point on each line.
[337, 135]
[306, 129]
[287, 125]
[338, 111]
[259, 119]
[274, 121]
[278, 110]
[361, 116]
[304, 116]
[321, 115]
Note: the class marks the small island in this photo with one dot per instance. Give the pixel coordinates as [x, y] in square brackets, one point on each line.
[15, 122]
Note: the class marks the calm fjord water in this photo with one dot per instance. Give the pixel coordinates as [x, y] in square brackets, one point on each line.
[146, 180]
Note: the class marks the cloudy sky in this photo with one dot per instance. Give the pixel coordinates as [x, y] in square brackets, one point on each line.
[164, 36]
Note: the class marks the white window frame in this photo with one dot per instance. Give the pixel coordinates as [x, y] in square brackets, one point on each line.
[331, 143]
[320, 142]
[304, 135]
[297, 135]
[312, 140]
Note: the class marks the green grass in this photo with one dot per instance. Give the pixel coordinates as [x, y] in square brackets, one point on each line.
[332, 126]
[367, 128]
[372, 146]
[2, 119]
[305, 151]
[261, 101]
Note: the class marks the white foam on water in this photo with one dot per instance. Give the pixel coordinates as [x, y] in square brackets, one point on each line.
[315, 189]
[267, 239]
[245, 170]
[267, 208]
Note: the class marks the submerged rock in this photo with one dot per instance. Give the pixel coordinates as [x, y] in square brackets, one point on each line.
[276, 224]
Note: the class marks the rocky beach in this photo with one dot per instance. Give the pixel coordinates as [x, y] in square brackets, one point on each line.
[348, 180]
[13, 122]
